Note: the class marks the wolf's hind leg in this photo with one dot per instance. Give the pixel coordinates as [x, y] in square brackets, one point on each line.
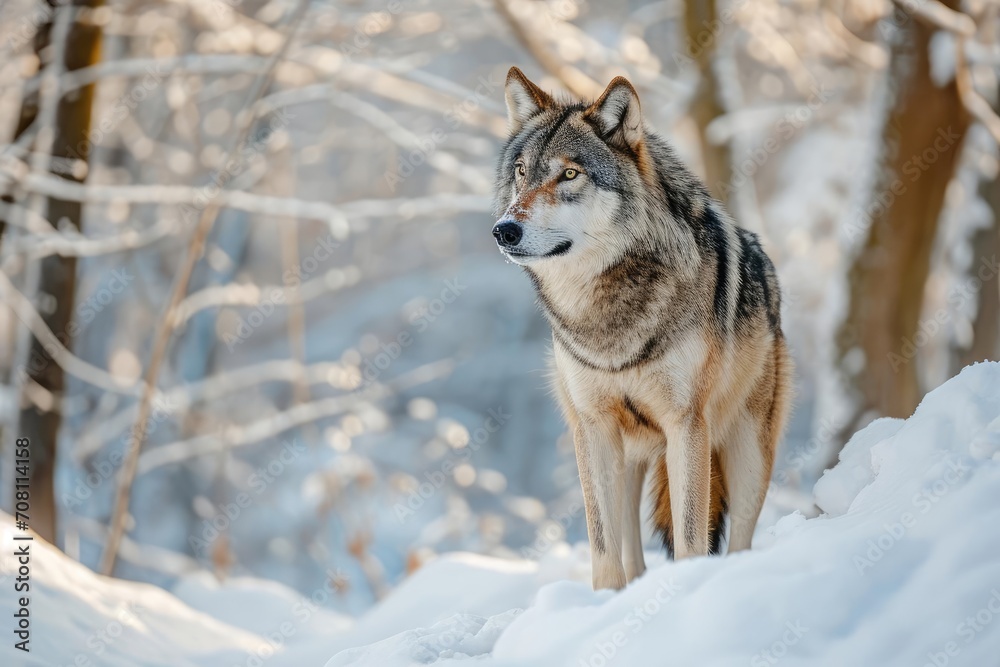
[635, 564]
[601, 461]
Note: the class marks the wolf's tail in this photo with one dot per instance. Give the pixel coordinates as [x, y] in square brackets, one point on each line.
[717, 509]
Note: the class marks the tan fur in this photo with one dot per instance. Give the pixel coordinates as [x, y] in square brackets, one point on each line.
[744, 383]
[662, 517]
[667, 348]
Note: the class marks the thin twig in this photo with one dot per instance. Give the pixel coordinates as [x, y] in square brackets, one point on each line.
[148, 556]
[572, 78]
[304, 413]
[248, 294]
[296, 324]
[392, 130]
[963, 27]
[179, 399]
[67, 244]
[180, 195]
[974, 103]
[936, 14]
[159, 68]
[165, 329]
[71, 363]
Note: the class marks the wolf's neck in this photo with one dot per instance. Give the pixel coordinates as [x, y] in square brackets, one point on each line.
[566, 290]
[611, 315]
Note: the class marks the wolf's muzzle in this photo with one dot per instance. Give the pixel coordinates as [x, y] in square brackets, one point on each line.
[508, 234]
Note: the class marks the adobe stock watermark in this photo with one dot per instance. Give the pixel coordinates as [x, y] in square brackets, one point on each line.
[371, 24]
[372, 368]
[436, 479]
[276, 297]
[705, 39]
[27, 27]
[607, 648]
[86, 311]
[930, 327]
[236, 163]
[796, 460]
[103, 469]
[923, 502]
[99, 641]
[553, 531]
[227, 514]
[779, 649]
[915, 167]
[967, 630]
[784, 130]
[225, 8]
[302, 611]
[120, 110]
[427, 146]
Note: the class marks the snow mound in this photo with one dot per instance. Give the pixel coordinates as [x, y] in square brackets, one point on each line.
[82, 619]
[460, 637]
[901, 569]
[260, 605]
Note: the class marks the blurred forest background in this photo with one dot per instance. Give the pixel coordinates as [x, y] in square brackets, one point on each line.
[252, 317]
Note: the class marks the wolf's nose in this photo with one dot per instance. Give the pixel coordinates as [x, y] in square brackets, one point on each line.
[508, 234]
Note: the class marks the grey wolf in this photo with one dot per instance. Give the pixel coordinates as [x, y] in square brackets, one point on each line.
[667, 347]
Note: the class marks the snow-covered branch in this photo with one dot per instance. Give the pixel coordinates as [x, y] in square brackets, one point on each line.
[298, 415]
[964, 28]
[198, 198]
[72, 364]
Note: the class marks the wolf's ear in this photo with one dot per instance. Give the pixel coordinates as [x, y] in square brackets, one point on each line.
[524, 99]
[616, 114]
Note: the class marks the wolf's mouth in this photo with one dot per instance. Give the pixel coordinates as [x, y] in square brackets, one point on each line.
[560, 249]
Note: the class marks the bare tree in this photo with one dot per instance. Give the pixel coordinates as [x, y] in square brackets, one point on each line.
[40, 420]
[701, 27]
[920, 146]
[986, 246]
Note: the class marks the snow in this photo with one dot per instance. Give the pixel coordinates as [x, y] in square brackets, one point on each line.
[900, 569]
[81, 619]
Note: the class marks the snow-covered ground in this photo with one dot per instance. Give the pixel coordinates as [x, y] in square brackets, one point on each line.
[902, 568]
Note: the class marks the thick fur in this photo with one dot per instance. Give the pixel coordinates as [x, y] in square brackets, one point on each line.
[668, 352]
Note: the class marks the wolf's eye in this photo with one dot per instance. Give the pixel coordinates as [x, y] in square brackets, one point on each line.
[569, 174]
[519, 170]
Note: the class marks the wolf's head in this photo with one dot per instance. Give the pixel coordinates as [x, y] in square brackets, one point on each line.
[573, 178]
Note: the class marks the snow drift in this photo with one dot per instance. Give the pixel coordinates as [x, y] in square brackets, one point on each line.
[901, 568]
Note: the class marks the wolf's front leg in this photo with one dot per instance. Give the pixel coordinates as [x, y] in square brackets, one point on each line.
[635, 564]
[689, 466]
[601, 461]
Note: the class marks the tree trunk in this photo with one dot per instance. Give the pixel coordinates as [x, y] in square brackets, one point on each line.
[703, 29]
[985, 253]
[921, 144]
[57, 286]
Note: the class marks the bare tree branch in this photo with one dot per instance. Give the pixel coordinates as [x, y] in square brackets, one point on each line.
[303, 413]
[68, 244]
[936, 14]
[71, 363]
[178, 399]
[165, 330]
[572, 78]
[179, 195]
[963, 27]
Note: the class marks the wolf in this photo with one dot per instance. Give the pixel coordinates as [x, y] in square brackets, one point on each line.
[667, 348]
